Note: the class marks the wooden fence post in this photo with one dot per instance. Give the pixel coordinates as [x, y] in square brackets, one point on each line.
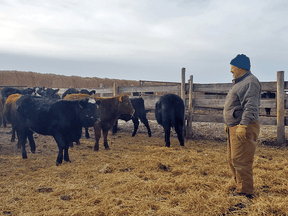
[183, 84]
[115, 89]
[189, 131]
[280, 108]
[183, 98]
[101, 86]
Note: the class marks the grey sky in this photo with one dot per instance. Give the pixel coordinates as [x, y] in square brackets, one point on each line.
[144, 39]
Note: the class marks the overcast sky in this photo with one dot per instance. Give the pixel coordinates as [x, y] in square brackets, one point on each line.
[144, 39]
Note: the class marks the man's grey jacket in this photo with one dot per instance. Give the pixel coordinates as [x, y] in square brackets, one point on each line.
[243, 101]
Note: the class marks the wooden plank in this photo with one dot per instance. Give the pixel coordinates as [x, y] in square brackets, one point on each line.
[220, 119]
[213, 103]
[97, 90]
[267, 120]
[166, 88]
[207, 118]
[219, 103]
[225, 87]
[213, 87]
[149, 101]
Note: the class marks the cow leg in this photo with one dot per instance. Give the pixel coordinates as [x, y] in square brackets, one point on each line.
[4, 122]
[136, 125]
[105, 135]
[13, 135]
[61, 146]
[60, 156]
[66, 154]
[115, 127]
[179, 131]
[145, 122]
[31, 141]
[268, 110]
[86, 133]
[167, 136]
[97, 132]
[22, 136]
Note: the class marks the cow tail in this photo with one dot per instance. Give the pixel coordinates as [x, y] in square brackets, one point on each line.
[172, 117]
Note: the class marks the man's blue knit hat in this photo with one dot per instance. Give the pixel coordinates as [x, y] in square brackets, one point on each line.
[241, 61]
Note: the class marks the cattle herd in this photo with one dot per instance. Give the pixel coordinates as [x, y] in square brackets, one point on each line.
[43, 111]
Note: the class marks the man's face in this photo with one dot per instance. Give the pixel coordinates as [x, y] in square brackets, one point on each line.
[237, 72]
[234, 69]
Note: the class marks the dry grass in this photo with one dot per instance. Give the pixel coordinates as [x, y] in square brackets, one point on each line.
[139, 176]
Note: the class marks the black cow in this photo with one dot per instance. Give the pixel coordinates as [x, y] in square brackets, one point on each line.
[7, 91]
[10, 90]
[268, 95]
[169, 112]
[85, 91]
[48, 93]
[140, 113]
[59, 118]
[76, 91]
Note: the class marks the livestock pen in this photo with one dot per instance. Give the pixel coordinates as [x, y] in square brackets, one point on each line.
[139, 176]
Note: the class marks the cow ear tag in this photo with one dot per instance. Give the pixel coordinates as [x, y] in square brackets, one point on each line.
[120, 98]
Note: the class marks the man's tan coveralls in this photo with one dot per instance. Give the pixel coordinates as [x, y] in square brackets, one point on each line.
[242, 108]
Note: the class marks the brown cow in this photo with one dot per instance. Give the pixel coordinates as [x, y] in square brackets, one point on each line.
[10, 113]
[110, 109]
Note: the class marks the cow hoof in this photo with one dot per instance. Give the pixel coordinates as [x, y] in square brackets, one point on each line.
[57, 164]
[96, 149]
[107, 148]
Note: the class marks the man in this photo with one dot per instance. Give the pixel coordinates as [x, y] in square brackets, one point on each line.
[241, 114]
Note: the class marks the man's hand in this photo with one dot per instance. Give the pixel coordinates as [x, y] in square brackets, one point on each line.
[241, 132]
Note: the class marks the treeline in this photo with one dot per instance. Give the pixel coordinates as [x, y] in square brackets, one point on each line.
[31, 79]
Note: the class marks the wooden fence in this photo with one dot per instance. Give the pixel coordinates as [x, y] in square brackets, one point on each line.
[207, 97]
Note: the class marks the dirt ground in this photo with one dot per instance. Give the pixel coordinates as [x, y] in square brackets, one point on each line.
[139, 176]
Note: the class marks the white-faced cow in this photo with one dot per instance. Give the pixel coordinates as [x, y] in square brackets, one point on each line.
[59, 118]
[169, 112]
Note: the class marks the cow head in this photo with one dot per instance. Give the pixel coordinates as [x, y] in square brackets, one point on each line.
[125, 105]
[89, 112]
